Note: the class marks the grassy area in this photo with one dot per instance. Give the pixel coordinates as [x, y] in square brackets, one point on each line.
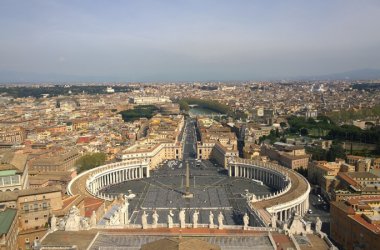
[211, 105]
[147, 111]
[349, 115]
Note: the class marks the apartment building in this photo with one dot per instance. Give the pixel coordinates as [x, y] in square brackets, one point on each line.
[288, 155]
[14, 135]
[8, 228]
[13, 170]
[216, 141]
[355, 222]
[161, 143]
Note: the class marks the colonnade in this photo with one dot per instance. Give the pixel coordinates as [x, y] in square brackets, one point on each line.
[278, 177]
[115, 173]
[116, 176]
[268, 176]
[286, 214]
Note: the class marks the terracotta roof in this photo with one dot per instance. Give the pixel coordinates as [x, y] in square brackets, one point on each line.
[91, 204]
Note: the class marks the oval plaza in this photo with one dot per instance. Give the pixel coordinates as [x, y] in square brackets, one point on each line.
[196, 175]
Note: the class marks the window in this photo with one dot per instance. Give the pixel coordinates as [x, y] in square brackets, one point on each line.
[36, 218]
[26, 221]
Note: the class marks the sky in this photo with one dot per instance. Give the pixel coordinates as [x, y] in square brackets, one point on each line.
[177, 40]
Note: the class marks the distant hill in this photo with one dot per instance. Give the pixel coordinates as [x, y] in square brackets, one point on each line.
[360, 74]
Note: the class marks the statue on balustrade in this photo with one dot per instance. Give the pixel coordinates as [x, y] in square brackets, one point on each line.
[73, 220]
[211, 220]
[246, 221]
[220, 220]
[144, 220]
[274, 221]
[53, 223]
[182, 218]
[318, 225]
[155, 219]
[195, 219]
[93, 219]
[170, 219]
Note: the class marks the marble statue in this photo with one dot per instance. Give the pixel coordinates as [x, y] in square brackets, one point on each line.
[195, 219]
[274, 221]
[144, 220]
[53, 223]
[211, 220]
[115, 219]
[182, 218]
[126, 211]
[73, 220]
[84, 223]
[246, 221]
[318, 225]
[61, 224]
[155, 219]
[220, 220]
[93, 219]
[170, 219]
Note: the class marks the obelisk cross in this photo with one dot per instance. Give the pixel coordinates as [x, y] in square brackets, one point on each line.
[187, 192]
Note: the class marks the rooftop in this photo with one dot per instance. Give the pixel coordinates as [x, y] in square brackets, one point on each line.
[6, 218]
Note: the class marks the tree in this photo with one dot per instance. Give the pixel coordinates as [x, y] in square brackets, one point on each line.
[283, 125]
[336, 151]
[304, 132]
[302, 171]
[90, 161]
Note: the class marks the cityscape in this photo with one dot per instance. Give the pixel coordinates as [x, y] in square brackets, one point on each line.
[156, 156]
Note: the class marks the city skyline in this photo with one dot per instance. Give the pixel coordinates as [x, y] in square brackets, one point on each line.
[189, 41]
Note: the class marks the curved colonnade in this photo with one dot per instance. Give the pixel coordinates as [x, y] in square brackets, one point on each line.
[98, 178]
[293, 194]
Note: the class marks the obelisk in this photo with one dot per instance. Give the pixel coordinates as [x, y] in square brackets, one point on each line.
[187, 192]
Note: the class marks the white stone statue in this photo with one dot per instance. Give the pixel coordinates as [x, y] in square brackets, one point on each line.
[93, 219]
[246, 221]
[73, 220]
[274, 221]
[170, 219]
[211, 220]
[182, 218]
[144, 220]
[155, 219]
[195, 219]
[84, 224]
[53, 223]
[318, 225]
[114, 219]
[126, 211]
[220, 220]
[61, 224]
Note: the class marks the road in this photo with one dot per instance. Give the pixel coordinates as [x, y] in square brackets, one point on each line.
[189, 148]
[318, 208]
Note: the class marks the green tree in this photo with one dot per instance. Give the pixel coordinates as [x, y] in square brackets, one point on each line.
[336, 151]
[90, 161]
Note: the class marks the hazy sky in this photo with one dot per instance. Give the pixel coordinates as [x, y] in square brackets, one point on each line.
[186, 40]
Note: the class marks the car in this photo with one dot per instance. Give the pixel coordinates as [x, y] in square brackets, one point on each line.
[309, 211]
